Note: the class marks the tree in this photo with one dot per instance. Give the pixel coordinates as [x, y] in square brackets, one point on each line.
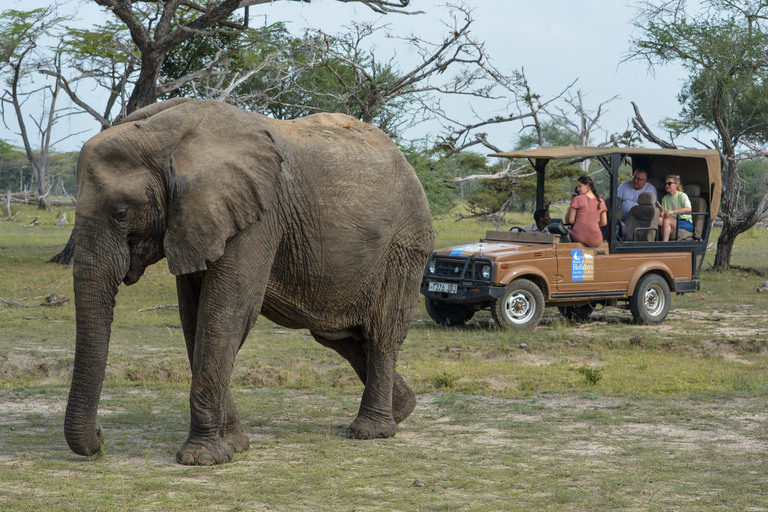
[158, 27]
[20, 34]
[723, 46]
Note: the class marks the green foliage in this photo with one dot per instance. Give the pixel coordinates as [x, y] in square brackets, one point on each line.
[754, 174]
[723, 49]
[551, 133]
[19, 30]
[435, 175]
[591, 375]
[14, 168]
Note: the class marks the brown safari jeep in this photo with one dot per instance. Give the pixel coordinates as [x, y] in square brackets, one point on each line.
[517, 274]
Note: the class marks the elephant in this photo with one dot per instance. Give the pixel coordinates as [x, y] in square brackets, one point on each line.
[316, 223]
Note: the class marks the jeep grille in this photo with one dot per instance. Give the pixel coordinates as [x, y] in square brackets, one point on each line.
[459, 268]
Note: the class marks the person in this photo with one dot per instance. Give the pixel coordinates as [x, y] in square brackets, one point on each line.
[541, 222]
[675, 203]
[630, 191]
[587, 213]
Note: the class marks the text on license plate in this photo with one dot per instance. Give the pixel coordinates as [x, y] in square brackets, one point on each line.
[443, 287]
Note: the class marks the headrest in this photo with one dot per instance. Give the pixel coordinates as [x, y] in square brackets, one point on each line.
[656, 182]
[692, 190]
[646, 198]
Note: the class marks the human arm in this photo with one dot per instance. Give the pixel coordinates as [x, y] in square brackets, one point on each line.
[674, 205]
[570, 215]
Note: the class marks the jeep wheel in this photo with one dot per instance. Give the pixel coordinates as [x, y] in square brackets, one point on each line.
[445, 313]
[521, 306]
[650, 302]
[576, 313]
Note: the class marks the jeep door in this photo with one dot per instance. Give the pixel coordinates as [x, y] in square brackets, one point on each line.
[581, 268]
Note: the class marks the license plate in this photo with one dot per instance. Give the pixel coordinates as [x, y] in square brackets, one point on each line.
[443, 287]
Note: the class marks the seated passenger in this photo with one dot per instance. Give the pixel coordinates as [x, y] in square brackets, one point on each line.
[541, 222]
[675, 203]
[587, 213]
[630, 191]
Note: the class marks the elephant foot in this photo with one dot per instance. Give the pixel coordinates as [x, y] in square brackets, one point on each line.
[403, 400]
[237, 439]
[367, 428]
[204, 453]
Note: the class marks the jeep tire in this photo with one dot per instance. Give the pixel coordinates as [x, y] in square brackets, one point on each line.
[447, 314]
[650, 302]
[576, 313]
[520, 307]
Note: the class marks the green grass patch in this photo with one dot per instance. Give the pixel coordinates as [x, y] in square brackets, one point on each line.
[543, 420]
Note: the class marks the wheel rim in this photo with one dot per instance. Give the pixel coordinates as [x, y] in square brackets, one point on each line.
[520, 307]
[653, 301]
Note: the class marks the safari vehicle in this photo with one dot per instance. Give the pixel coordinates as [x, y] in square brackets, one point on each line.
[517, 274]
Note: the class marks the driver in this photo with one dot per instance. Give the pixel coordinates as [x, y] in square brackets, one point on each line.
[541, 222]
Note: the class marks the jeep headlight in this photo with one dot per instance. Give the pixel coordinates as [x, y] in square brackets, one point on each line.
[431, 266]
[486, 272]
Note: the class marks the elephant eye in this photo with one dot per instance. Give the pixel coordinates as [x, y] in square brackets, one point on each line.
[120, 213]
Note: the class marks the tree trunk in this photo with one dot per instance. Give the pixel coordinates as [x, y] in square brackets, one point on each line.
[67, 255]
[724, 248]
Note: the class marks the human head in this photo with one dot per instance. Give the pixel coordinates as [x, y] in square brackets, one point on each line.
[677, 187]
[639, 179]
[589, 182]
[585, 183]
[541, 217]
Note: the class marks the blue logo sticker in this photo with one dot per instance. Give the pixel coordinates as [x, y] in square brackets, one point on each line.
[466, 250]
[577, 265]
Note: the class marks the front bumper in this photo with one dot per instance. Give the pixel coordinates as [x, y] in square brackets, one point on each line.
[466, 293]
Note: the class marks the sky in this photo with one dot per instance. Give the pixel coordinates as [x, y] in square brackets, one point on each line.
[555, 42]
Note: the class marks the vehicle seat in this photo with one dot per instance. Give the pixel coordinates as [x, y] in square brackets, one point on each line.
[698, 204]
[643, 219]
[556, 227]
[658, 184]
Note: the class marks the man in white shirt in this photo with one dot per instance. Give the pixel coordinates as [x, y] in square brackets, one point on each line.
[629, 191]
[541, 216]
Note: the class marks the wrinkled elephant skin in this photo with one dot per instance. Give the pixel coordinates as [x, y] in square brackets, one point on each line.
[317, 223]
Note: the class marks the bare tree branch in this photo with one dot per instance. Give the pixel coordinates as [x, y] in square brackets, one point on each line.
[639, 123]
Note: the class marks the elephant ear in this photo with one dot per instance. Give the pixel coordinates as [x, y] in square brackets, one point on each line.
[220, 178]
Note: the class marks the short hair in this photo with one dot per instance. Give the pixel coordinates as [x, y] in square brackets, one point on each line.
[541, 212]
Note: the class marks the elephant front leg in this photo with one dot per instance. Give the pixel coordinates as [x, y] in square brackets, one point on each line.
[215, 429]
[208, 443]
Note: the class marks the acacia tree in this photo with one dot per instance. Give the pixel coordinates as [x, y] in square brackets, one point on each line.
[157, 27]
[723, 45]
[20, 59]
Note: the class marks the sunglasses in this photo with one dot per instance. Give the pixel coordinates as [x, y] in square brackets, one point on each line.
[670, 183]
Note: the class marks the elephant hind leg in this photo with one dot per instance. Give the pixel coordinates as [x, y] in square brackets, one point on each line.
[384, 331]
[403, 399]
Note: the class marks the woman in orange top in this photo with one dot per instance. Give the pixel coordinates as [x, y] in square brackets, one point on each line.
[587, 213]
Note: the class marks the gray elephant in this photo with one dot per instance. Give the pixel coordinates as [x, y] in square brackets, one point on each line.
[317, 223]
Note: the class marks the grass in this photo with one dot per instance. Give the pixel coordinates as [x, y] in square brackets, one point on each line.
[543, 420]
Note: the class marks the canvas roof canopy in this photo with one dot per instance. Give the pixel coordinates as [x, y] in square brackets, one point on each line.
[701, 166]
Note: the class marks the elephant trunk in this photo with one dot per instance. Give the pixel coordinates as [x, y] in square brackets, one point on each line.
[95, 286]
